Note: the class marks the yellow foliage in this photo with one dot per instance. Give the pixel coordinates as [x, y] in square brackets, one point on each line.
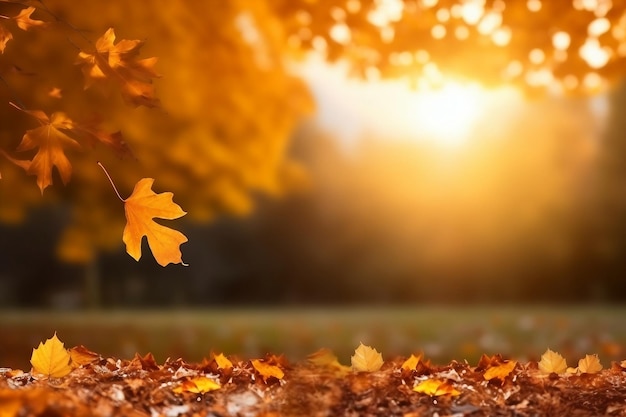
[552, 362]
[366, 359]
[51, 358]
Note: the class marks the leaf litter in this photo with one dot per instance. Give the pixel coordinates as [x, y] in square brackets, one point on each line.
[78, 382]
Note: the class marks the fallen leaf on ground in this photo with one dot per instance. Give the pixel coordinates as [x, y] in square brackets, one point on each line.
[411, 362]
[436, 387]
[197, 385]
[80, 355]
[500, 371]
[326, 358]
[590, 364]
[51, 358]
[266, 370]
[366, 359]
[552, 362]
[223, 362]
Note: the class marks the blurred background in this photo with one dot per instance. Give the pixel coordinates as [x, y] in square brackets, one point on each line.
[400, 172]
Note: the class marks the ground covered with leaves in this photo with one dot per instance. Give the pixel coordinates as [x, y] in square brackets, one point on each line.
[79, 382]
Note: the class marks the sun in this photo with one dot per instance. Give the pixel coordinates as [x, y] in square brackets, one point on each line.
[445, 116]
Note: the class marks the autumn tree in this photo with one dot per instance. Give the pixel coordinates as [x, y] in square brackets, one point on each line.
[211, 119]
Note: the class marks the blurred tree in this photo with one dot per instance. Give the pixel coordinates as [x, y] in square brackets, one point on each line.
[229, 103]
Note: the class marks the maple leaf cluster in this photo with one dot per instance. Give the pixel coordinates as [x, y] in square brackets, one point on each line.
[57, 134]
[78, 382]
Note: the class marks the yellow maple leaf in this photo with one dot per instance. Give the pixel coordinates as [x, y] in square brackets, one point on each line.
[141, 208]
[499, 371]
[223, 362]
[366, 359]
[436, 387]
[266, 370]
[51, 358]
[197, 385]
[590, 364]
[552, 362]
[119, 63]
[412, 362]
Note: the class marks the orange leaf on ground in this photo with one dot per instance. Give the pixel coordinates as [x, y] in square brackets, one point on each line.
[141, 208]
[266, 370]
[500, 371]
[411, 362]
[223, 362]
[366, 359]
[82, 356]
[197, 385]
[552, 362]
[326, 358]
[435, 388]
[51, 358]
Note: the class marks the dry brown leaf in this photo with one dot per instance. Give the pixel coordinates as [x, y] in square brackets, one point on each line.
[141, 208]
[366, 359]
[500, 371]
[552, 362]
[436, 387]
[82, 356]
[51, 358]
[266, 370]
[197, 385]
[590, 364]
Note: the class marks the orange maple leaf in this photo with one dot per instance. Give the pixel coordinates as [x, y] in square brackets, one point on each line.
[5, 37]
[24, 21]
[141, 208]
[118, 62]
[50, 139]
[80, 355]
[51, 358]
[197, 385]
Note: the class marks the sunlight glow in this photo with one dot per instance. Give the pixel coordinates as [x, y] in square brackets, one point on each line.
[444, 117]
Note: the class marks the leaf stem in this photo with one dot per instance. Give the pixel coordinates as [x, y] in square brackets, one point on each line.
[111, 181]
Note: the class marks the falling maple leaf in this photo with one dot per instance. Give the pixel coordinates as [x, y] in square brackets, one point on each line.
[500, 371]
[590, 364]
[24, 21]
[552, 362]
[51, 358]
[50, 139]
[267, 370]
[197, 385]
[141, 208]
[436, 387]
[366, 359]
[119, 63]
